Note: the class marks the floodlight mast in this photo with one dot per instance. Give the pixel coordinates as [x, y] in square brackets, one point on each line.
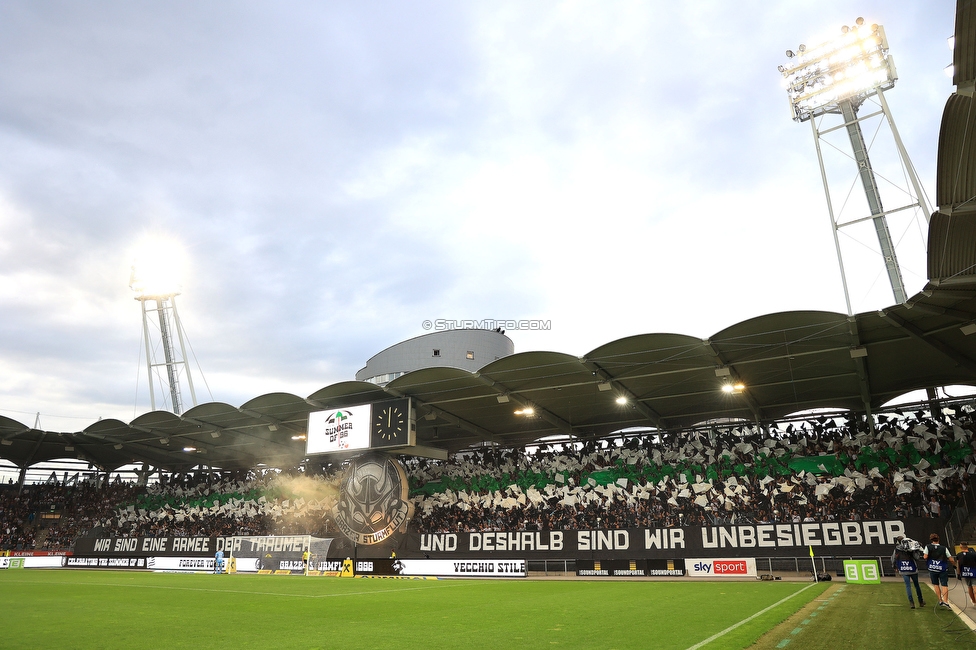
[836, 77]
[169, 320]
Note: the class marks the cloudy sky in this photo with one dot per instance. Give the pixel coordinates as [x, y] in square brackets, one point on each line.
[333, 174]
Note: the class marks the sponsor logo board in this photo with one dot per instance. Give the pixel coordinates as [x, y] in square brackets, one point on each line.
[181, 564]
[862, 572]
[76, 562]
[461, 568]
[36, 553]
[635, 568]
[721, 567]
[454, 568]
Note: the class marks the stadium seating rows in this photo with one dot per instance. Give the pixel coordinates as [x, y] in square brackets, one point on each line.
[822, 469]
[911, 466]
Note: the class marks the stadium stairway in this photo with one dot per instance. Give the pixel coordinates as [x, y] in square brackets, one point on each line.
[39, 536]
[968, 532]
[961, 526]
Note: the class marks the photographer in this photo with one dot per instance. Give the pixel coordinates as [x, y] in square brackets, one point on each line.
[903, 560]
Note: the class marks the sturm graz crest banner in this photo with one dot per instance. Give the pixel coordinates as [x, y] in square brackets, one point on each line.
[373, 501]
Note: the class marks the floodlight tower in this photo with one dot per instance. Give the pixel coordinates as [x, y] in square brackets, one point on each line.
[835, 78]
[148, 287]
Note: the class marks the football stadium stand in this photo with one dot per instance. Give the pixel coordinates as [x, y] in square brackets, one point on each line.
[635, 433]
[819, 469]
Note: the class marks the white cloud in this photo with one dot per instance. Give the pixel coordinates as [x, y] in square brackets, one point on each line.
[337, 174]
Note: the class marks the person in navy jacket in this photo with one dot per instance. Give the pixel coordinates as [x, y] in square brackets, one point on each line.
[938, 558]
[903, 560]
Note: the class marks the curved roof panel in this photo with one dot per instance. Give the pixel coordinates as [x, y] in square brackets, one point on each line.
[786, 362]
[347, 393]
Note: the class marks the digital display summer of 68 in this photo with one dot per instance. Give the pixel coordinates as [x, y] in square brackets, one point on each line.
[368, 426]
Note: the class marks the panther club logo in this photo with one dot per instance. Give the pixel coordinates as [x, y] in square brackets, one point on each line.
[373, 501]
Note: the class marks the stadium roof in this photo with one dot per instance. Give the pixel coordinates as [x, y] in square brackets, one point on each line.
[787, 362]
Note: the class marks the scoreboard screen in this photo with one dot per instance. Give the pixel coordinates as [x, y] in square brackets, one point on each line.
[381, 425]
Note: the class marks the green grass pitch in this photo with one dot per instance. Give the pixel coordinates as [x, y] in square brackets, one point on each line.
[119, 609]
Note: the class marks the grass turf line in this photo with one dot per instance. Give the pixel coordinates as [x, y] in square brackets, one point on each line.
[868, 617]
[115, 609]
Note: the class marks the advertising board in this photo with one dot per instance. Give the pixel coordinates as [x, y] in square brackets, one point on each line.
[862, 572]
[734, 567]
[629, 568]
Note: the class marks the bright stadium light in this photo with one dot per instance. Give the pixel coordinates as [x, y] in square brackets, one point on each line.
[157, 264]
[848, 67]
[156, 267]
[836, 78]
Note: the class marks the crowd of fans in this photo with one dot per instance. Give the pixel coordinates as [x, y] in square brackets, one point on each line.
[17, 514]
[73, 510]
[241, 503]
[827, 470]
[81, 508]
[823, 469]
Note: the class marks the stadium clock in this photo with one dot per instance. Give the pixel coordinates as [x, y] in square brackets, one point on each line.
[391, 424]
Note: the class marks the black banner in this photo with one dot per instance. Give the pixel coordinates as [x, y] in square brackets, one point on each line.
[257, 546]
[827, 538]
[151, 546]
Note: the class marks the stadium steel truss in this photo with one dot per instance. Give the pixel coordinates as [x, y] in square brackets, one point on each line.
[785, 363]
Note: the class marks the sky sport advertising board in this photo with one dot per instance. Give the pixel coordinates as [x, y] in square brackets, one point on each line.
[726, 567]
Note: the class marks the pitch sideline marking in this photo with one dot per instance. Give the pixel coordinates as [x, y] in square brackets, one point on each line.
[785, 642]
[227, 591]
[746, 620]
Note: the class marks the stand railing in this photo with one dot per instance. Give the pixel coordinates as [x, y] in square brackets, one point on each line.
[960, 516]
[833, 565]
